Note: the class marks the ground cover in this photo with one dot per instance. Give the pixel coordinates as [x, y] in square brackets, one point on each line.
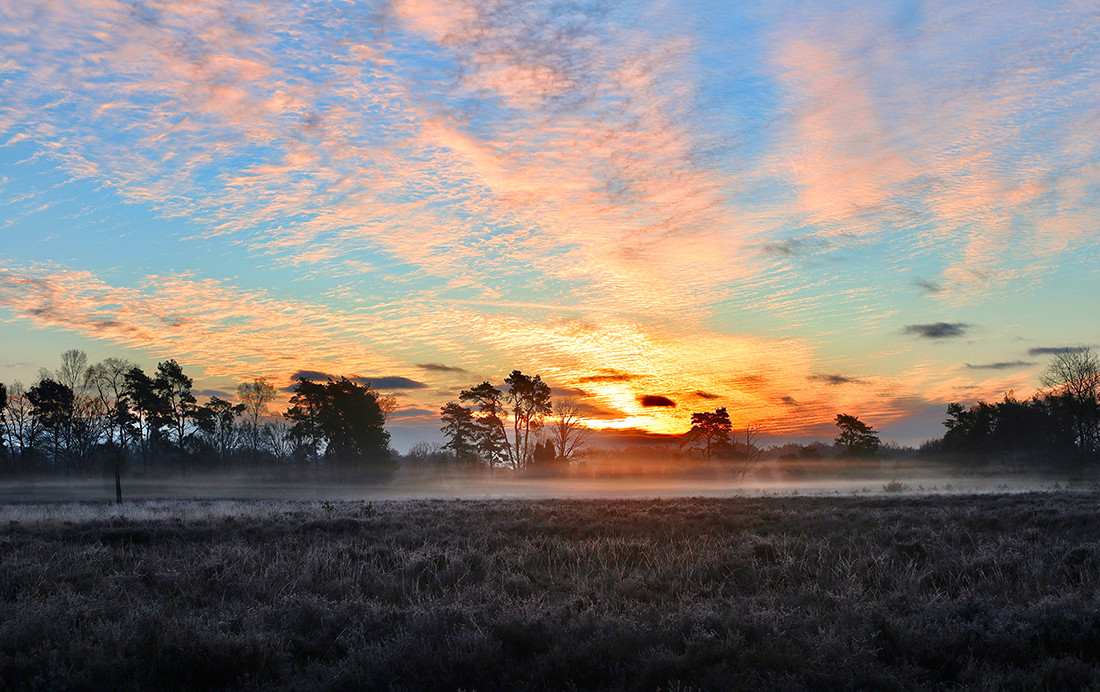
[996, 591]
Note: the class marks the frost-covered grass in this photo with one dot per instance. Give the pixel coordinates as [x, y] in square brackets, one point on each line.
[39, 513]
[902, 592]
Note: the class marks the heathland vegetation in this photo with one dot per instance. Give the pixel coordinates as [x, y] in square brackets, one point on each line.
[990, 592]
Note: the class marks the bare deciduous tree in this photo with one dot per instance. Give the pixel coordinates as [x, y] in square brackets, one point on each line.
[1074, 376]
[109, 380]
[567, 430]
[22, 430]
[744, 462]
[255, 396]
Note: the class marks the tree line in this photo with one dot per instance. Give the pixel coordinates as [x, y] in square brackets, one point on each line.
[1055, 430]
[544, 434]
[82, 419]
[113, 416]
[548, 435]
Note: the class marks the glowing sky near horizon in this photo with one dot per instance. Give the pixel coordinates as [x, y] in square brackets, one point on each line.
[791, 209]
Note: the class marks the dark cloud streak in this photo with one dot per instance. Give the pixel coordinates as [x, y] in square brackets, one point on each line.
[929, 286]
[834, 379]
[1054, 350]
[440, 367]
[1001, 366]
[392, 382]
[937, 330]
[610, 376]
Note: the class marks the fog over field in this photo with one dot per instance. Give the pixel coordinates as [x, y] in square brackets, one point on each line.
[507, 486]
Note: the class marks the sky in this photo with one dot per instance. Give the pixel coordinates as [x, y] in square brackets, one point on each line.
[790, 209]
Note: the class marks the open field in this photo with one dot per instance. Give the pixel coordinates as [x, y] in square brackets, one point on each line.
[991, 591]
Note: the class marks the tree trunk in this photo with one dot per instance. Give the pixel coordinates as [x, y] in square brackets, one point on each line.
[118, 477]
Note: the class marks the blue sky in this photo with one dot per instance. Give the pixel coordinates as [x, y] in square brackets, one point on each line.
[789, 209]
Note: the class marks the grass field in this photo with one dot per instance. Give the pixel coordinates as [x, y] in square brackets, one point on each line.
[792, 593]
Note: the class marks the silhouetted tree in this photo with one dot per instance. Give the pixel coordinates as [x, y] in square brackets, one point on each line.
[255, 396]
[567, 430]
[83, 427]
[492, 441]
[745, 457]
[1038, 432]
[52, 404]
[178, 403]
[22, 430]
[856, 439]
[217, 421]
[970, 431]
[345, 419]
[109, 380]
[530, 399]
[709, 434]
[1073, 375]
[544, 459]
[353, 424]
[3, 420]
[143, 412]
[304, 415]
[461, 430]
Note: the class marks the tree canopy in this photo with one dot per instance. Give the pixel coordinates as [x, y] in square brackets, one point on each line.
[341, 421]
[856, 439]
[710, 433]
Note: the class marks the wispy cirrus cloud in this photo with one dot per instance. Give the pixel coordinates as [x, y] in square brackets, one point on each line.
[920, 128]
[216, 120]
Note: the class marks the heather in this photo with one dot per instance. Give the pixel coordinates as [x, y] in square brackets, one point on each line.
[995, 591]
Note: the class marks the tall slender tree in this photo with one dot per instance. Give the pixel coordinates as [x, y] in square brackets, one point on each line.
[21, 428]
[109, 380]
[3, 420]
[460, 428]
[530, 399]
[217, 421]
[173, 387]
[305, 414]
[492, 440]
[144, 411]
[52, 404]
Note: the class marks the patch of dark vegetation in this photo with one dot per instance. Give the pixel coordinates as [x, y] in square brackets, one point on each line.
[901, 593]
